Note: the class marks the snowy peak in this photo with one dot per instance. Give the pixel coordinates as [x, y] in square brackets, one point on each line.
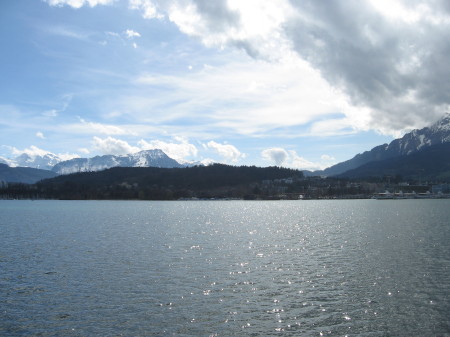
[414, 141]
[43, 162]
[442, 125]
[146, 158]
[438, 133]
[38, 159]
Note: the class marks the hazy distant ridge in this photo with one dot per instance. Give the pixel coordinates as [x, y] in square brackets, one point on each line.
[25, 175]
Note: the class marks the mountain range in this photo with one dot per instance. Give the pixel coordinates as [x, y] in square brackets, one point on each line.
[30, 169]
[419, 153]
[412, 142]
[429, 163]
[146, 158]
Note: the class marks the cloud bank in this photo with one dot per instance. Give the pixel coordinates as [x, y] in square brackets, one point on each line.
[389, 58]
[113, 146]
[331, 67]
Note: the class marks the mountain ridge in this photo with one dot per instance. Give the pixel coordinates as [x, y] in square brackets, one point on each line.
[429, 163]
[27, 175]
[411, 142]
[145, 158]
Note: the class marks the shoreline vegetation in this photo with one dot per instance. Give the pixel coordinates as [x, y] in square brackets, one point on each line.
[219, 182]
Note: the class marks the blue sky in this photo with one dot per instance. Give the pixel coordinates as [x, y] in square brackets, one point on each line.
[298, 84]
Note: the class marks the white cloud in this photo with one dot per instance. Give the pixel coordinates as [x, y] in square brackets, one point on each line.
[301, 163]
[389, 62]
[7, 161]
[242, 97]
[228, 152]
[34, 151]
[326, 157]
[79, 3]
[103, 128]
[179, 150]
[131, 34]
[252, 25]
[276, 155]
[113, 146]
[410, 12]
[40, 135]
[148, 8]
[67, 156]
[290, 158]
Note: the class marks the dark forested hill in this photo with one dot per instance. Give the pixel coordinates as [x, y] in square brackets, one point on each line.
[412, 142]
[162, 183]
[432, 163]
[26, 175]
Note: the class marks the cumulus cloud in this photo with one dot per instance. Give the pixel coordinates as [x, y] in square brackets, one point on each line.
[113, 146]
[276, 155]
[34, 151]
[290, 158]
[227, 151]
[148, 8]
[392, 67]
[6, 161]
[179, 150]
[67, 156]
[40, 135]
[83, 150]
[301, 163]
[390, 58]
[129, 33]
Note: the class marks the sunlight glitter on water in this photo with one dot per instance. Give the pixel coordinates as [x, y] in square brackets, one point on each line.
[334, 268]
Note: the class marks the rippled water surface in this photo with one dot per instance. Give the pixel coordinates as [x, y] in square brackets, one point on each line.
[225, 268]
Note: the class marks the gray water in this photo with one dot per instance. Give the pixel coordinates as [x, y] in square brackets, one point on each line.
[225, 268]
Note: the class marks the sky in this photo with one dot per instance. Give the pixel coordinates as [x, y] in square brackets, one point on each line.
[301, 84]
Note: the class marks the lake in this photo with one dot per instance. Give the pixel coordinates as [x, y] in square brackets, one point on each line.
[225, 268]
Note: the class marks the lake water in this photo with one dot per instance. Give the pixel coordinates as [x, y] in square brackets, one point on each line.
[225, 268]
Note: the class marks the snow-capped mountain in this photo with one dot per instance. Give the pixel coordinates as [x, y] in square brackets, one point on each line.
[429, 163]
[146, 158]
[414, 141]
[43, 162]
[437, 133]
